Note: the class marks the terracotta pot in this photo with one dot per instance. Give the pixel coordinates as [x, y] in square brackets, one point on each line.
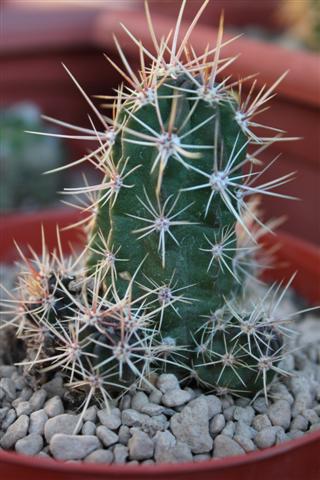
[292, 460]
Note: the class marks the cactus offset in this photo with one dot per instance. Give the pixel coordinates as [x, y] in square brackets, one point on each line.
[170, 245]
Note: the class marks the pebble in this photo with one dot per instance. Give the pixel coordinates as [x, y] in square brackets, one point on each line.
[167, 382]
[175, 398]
[242, 429]
[73, 447]
[261, 421]
[89, 428]
[38, 398]
[217, 424]
[54, 407]
[30, 445]
[224, 446]
[245, 414]
[23, 408]
[90, 414]
[245, 443]
[311, 416]
[100, 456]
[168, 450]
[15, 432]
[140, 446]
[64, 424]
[120, 454]
[139, 400]
[280, 413]
[260, 405]
[124, 434]
[229, 429]
[37, 422]
[107, 436]
[266, 437]
[110, 418]
[9, 419]
[9, 388]
[132, 418]
[191, 426]
[214, 405]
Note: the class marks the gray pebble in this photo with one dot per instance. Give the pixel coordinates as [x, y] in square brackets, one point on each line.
[242, 429]
[9, 419]
[260, 405]
[9, 388]
[168, 450]
[303, 401]
[191, 426]
[261, 421]
[54, 407]
[311, 416]
[201, 457]
[89, 428]
[280, 413]
[224, 446]
[155, 396]
[124, 434]
[37, 422]
[140, 446]
[132, 418]
[245, 414]
[100, 456]
[228, 413]
[167, 382]
[23, 408]
[90, 414]
[175, 398]
[139, 400]
[125, 402]
[107, 436]
[299, 423]
[214, 405]
[152, 409]
[26, 393]
[15, 432]
[245, 442]
[292, 435]
[229, 429]
[30, 445]
[64, 424]
[217, 424]
[38, 398]
[73, 447]
[3, 413]
[266, 437]
[110, 418]
[120, 454]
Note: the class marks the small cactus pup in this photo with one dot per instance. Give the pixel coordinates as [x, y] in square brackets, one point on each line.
[172, 237]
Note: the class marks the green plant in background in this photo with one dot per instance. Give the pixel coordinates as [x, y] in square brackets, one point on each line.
[173, 232]
[24, 158]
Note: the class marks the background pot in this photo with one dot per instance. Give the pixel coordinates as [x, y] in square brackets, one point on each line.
[292, 460]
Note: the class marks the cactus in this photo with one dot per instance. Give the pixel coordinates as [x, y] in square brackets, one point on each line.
[172, 238]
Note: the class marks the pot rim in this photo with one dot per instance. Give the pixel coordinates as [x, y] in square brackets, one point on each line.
[142, 471]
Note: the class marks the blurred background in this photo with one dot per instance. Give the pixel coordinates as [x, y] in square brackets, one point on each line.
[37, 36]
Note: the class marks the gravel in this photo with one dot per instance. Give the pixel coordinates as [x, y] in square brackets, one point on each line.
[168, 424]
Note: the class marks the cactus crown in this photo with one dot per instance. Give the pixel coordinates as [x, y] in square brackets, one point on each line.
[172, 237]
